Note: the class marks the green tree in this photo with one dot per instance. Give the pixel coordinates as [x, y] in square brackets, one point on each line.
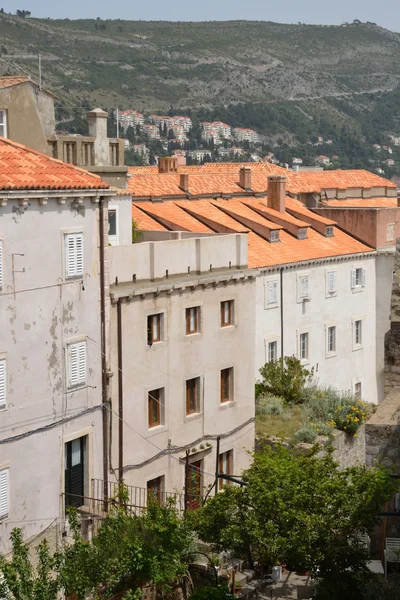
[285, 377]
[300, 509]
[21, 581]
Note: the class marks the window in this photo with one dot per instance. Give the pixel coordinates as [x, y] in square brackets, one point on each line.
[226, 385]
[3, 123]
[74, 457]
[272, 292]
[272, 351]
[4, 493]
[357, 278]
[192, 320]
[358, 332]
[358, 390]
[303, 346]
[302, 234]
[155, 401]
[76, 364]
[154, 328]
[3, 390]
[226, 313]
[155, 488]
[303, 286]
[112, 225]
[331, 339]
[331, 282]
[195, 484]
[225, 467]
[193, 396]
[73, 255]
[1, 264]
[329, 231]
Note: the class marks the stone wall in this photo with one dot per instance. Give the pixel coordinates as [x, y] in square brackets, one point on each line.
[349, 451]
[392, 338]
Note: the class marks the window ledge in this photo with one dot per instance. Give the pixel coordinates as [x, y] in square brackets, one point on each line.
[227, 327]
[272, 305]
[357, 289]
[357, 347]
[331, 354]
[193, 417]
[227, 404]
[156, 345]
[156, 429]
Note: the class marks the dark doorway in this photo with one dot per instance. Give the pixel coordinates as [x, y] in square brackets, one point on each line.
[74, 472]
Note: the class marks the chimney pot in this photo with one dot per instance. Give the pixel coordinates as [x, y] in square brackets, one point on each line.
[245, 178]
[276, 195]
[167, 164]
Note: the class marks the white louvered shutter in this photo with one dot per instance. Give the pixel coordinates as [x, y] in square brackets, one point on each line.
[353, 278]
[332, 282]
[76, 364]
[4, 493]
[304, 287]
[79, 254]
[2, 383]
[363, 277]
[1, 264]
[272, 292]
[74, 254]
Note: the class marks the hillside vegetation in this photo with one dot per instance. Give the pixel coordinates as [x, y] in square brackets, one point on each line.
[286, 81]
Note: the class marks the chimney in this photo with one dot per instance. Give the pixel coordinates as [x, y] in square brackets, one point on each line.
[167, 164]
[184, 182]
[97, 122]
[276, 194]
[245, 178]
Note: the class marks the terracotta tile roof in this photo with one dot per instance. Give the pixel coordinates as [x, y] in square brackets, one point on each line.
[24, 169]
[154, 186]
[316, 181]
[175, 216]
[6, 82]
[256, 167]
[300, 209]
[209, 213]
[13, 80]
[144, 221]
[362, 203]
[172, 217]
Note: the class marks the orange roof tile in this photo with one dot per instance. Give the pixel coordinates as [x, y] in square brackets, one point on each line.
[239, 207]
[172, 217]
[256, 167]
[315, 181]
[363, 203]
[300, 209]
[13, 80]
[22, 168]
[144, 221]
[262, 253]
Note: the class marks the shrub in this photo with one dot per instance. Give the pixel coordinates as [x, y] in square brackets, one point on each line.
[306, 435]
[269, 405]
[350, 416]
[284, 378]
[211, 593]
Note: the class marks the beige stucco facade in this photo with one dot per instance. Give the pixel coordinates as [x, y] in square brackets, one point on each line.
[29, 115]
[153, 452]
[42, 311]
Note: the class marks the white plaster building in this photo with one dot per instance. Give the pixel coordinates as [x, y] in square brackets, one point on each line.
[51, 384]
[182, 307]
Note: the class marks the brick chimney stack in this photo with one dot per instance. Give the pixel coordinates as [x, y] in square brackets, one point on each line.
[245, 178]
[168, 164]
[276, 194]
[184, 182]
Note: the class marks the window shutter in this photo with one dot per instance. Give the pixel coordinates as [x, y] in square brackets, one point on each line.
[2, 383]
[74, 254]
[79, 254]
[4, 493]
[303, 287]
[77, 363]
[363, 277]
[332, 282]
[1, 264]
[272, 292]
[353, 278]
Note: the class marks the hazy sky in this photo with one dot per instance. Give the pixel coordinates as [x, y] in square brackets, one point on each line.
[383, 12]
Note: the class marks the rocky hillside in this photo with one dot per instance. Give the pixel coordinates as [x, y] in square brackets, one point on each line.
[153, 65]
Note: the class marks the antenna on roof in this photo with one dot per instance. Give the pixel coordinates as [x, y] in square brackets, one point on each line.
[40, 72]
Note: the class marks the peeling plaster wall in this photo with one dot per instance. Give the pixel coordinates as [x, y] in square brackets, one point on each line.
[40, 311]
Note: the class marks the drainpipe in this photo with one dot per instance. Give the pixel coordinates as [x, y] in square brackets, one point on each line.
[120, 395]
[281, 292]
[103, 354]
